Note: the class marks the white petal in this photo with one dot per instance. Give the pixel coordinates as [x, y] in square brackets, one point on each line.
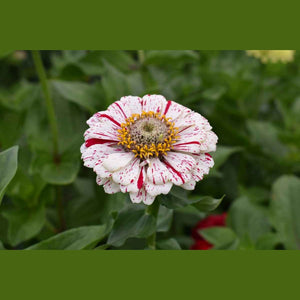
[148, 199]
[180, 161]
[102, 133]
[157, 172]
[210, 142]
[128, 174]
[95, 119]
[192, 118]
[95, 154]
[136, 197]
[177, 177]
[179, 166]
[155, 103]
[91, 155]
[100, 180]
[142, 196]
[174, 110]
[111, 187]
[83, 148]
[137, 184]
[101, 171]
[117, 161]
[204, 163]
[157, 189]
[190, 185]
[131, 105]
[190, 140]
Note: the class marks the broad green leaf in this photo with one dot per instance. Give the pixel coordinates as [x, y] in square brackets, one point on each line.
[219, 237]
[8, 168]
[1, 246]
[24, 224]
[214, 93]
[63, 173]
[73, 239]
[92, 62]
[164, 219]
[12, 122]
[207, 203]
[178, 198]
[248, 219]
[86, 95]
[131, 222]
[60, 172]
[222, 154]
[267, 241]
[20, 97]
[266, 136]
[168, 244]
[114, 82]
[285, 210]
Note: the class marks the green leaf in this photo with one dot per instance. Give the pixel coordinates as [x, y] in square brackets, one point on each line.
[178, 198]
[73, 239]
[20, 97]
[267, 241]
[2, 246]
[92, 62]
[214, 93]
[248, 219]
[285, 210]
[220, 237]
[86, 95]
[266, 136]
[207, 203]
[24, 224]
[114, 82]
[168, 244]
[131, 222]
[61, 172]
[222, 154]
[164, 219]
[8, 168]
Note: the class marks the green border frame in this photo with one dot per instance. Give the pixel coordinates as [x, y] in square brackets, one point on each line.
[132, 24]
[149, 274]
[149, 25]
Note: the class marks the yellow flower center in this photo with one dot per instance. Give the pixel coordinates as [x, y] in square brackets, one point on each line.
[148, 134]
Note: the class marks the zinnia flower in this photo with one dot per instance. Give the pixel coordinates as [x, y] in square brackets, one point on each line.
[145, 145]
[273, 56]
[210, 221]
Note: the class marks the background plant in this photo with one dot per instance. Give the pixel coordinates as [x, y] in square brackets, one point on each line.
[52, 202]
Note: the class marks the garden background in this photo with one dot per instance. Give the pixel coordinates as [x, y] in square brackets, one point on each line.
[54, 202]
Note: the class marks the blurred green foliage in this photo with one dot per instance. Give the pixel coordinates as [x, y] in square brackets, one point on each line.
[55, 203]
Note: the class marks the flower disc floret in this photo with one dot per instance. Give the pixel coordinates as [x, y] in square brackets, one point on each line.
[148, 134]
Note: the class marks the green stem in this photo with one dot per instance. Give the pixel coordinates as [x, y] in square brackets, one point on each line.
[49, 103]
[141, 56]
[153, 210]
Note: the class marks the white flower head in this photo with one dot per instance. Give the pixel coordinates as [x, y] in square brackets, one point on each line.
[142, 146]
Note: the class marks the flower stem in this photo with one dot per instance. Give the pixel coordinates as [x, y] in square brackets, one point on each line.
[49, 103]
[153, 210]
